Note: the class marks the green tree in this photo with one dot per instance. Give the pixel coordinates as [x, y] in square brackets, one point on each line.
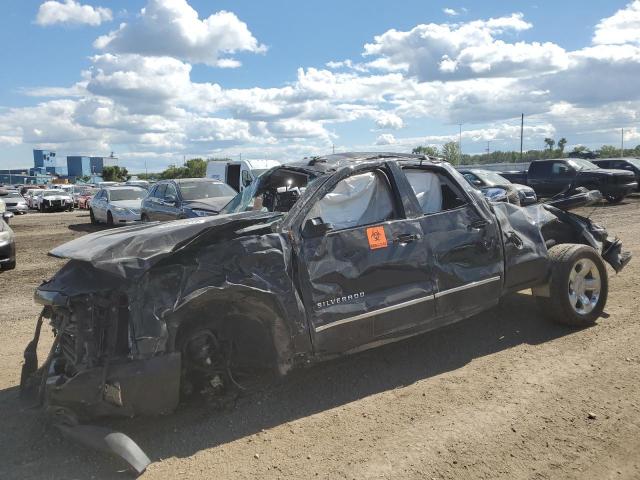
[451, 152]
[550, 142]
[429, 151]
[115, 173]
[561, 144]
[196, 167]
[607, 151]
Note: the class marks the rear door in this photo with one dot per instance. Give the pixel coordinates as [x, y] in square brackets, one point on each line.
[464, 242]
[368, 278]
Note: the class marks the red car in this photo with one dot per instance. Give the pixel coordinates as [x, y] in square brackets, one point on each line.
[84, 199]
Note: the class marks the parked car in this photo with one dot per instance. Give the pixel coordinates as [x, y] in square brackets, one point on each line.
[30, 197]
[314, 260]
[516, 193]
[52, 200]
[14, 202]
[7, 241]
[84, 198]
[185, 198]
[117, 205]
[629, 164]
[553, 176]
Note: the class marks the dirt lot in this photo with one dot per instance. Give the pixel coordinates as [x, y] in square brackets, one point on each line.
[502, 395]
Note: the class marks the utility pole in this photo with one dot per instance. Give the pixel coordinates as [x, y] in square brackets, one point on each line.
[521, 134]
[146, 172]
[460, 144]
[333, 148]
[622, 144]
[489, 148]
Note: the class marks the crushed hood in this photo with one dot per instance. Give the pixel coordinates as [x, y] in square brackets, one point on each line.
[129, 251]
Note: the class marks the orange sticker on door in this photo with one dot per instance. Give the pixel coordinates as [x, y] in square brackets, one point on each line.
[376, 237]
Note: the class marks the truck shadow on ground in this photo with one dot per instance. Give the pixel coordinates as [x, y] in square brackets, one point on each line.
[195, 427]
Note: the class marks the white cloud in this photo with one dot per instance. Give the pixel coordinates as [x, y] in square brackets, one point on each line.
[466, 50]
[622, 27]
[385, 139]
[451, 12]
[172, 28]
[138, 98]
[71, 12]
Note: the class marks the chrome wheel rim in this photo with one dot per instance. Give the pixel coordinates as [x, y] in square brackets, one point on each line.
[584, 286]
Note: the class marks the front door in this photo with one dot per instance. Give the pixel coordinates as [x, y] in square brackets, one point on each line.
[367, 278]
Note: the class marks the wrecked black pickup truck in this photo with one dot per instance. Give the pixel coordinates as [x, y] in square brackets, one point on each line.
[314, 260]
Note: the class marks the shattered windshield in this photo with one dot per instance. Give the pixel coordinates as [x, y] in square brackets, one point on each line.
[276, 192]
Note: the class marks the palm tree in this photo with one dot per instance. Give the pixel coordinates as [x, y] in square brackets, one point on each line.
[561, 143]
[550, 143]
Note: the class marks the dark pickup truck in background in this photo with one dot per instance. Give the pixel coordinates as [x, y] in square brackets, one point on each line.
[553, 176]
[629, 164]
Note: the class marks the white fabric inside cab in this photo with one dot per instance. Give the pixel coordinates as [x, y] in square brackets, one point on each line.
[357, 200]
[426, 186]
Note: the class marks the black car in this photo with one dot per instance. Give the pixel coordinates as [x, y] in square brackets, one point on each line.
[313, 260]
[185, 198]
[550, 177]
[7, 244]
[629, 164]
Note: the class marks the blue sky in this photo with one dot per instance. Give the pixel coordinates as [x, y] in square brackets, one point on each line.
[282, 100]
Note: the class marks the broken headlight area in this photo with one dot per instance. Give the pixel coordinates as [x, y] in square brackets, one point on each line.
[90, 369]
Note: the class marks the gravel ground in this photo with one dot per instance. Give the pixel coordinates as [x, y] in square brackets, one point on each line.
[502, 395]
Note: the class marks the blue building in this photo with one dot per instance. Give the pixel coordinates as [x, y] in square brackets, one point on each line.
[78, 166]
[44, 159]
[96, 164]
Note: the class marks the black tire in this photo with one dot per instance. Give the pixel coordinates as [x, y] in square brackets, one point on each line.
[109, 219]
[144, 218]
[42, 208]
[202, 358]
[92, 217]
[566, 260]
[614, 198]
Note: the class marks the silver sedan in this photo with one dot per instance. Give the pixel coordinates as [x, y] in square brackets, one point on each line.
[117, 205]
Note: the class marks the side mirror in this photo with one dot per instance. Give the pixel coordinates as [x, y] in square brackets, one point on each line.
[6, 216]
[246, 181]
[171, 199]
[315, 227]
[477, 183]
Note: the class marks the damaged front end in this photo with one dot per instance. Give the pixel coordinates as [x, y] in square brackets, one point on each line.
[91, 369]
